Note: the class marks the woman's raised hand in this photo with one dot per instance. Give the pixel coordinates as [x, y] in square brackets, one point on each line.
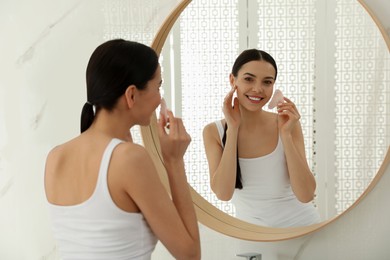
[174, 138]
[232, 113]
[288, 116]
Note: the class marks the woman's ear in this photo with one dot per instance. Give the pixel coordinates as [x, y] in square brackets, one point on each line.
[130, 95]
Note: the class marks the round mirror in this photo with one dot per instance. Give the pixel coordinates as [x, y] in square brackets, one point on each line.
[333, 63]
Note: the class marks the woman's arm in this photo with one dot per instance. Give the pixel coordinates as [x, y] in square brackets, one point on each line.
[302, 180]
[222, 161]
[174, 145]
[173, 220]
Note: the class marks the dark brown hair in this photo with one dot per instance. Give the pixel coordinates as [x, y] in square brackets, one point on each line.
[112, 68]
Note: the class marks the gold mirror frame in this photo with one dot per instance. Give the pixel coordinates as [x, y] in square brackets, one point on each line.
[208, 214]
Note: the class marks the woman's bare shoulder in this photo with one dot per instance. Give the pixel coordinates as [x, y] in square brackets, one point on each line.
[60, 149]
[60, 155]
[57, 152]
[212, 127]
[130, 155]
[211, 133]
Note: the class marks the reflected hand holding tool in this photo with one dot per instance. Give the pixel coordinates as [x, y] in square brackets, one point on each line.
[276, 99]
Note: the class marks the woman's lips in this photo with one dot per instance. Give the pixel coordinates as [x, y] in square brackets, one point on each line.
[255, 99]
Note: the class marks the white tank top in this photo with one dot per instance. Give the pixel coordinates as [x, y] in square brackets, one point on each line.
[266, 198]
[98, 229]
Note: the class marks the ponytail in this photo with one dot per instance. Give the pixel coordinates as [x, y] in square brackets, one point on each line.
[238, 184]
[87, 116]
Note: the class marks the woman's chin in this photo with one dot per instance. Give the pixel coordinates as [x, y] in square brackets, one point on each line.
[145, 123]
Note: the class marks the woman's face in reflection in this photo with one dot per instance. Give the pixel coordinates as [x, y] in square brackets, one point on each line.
[255, 81]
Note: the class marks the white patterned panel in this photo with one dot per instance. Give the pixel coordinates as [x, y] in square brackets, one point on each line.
[362, 98]
[209, 45]
[286, 30]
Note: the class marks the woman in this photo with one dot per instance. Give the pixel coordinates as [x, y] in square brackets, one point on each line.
[257, 158]
[105, 196]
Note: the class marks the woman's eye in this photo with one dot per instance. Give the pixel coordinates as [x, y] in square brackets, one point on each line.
[248, 79]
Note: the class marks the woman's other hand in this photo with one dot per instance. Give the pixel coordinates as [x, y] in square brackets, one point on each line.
[288, 116]
[232, 113]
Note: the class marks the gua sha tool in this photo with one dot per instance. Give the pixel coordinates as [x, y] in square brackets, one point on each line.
[276, 99]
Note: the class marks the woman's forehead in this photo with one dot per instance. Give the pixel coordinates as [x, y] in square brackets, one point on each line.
[257, 68]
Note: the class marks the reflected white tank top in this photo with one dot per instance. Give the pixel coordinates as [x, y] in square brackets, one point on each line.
[98, 229]
[266, 197]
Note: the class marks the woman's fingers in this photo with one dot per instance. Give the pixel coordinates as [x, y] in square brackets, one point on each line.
[229, 96]
[161, 125]
[290, 111]
[164, 117]
[289, 106]
[287, 100]
[175, 126]
[174, 141]
[290, 103]
[180, 132]
[236, 104]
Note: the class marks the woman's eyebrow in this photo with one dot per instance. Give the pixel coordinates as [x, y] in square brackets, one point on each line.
[253, 75]
[250, 74]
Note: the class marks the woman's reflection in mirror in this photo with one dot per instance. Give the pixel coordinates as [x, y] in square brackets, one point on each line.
[256, 157]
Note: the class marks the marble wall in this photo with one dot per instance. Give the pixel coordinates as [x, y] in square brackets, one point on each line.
[45, 46]
[40, 88]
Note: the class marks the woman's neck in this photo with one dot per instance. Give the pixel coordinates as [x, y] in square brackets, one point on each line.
[112, 125]
[252, 118]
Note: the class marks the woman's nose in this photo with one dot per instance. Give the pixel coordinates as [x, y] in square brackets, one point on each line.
[258, 88]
